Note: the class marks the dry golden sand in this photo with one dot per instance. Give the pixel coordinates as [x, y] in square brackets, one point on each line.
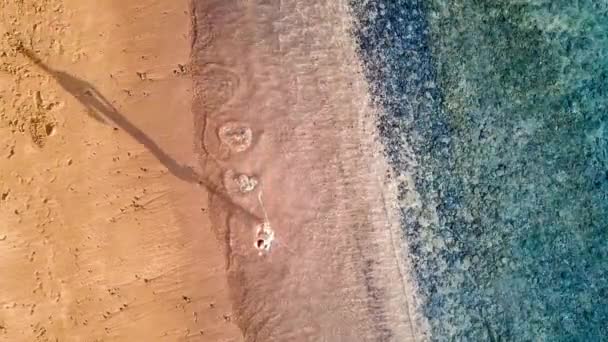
[150, 147]
[99, 242]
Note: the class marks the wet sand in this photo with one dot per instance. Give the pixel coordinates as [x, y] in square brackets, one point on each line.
[137, 223]
[288, 72]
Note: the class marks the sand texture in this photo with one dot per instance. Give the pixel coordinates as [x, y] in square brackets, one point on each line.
[193, 171]
[288, 73]
[99, 241]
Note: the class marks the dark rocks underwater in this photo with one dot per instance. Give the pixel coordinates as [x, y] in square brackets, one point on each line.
[499, 109]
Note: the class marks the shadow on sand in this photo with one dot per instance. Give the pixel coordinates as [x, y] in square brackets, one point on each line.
[102, 110]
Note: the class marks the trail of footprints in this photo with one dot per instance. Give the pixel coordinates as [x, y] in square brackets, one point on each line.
[220, 87]
[237, 137]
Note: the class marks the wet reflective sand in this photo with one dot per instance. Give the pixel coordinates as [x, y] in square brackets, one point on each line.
[280, 97]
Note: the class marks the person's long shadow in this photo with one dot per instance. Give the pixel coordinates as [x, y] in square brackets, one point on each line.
[99, 108]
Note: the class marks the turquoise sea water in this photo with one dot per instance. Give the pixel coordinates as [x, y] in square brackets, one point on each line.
[504, 107]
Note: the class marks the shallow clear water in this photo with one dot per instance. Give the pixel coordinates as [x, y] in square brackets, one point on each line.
[503, 107]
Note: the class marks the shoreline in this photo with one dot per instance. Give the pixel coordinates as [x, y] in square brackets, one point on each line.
[158, 173]
[484, 102]
[332, 270]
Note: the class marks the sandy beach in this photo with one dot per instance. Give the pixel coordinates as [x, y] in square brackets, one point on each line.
[332, 273]
[100, 242]
[194, 171]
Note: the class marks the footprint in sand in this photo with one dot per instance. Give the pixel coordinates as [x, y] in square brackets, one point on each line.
[239, 183]
[236, 136]
[216, 86]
